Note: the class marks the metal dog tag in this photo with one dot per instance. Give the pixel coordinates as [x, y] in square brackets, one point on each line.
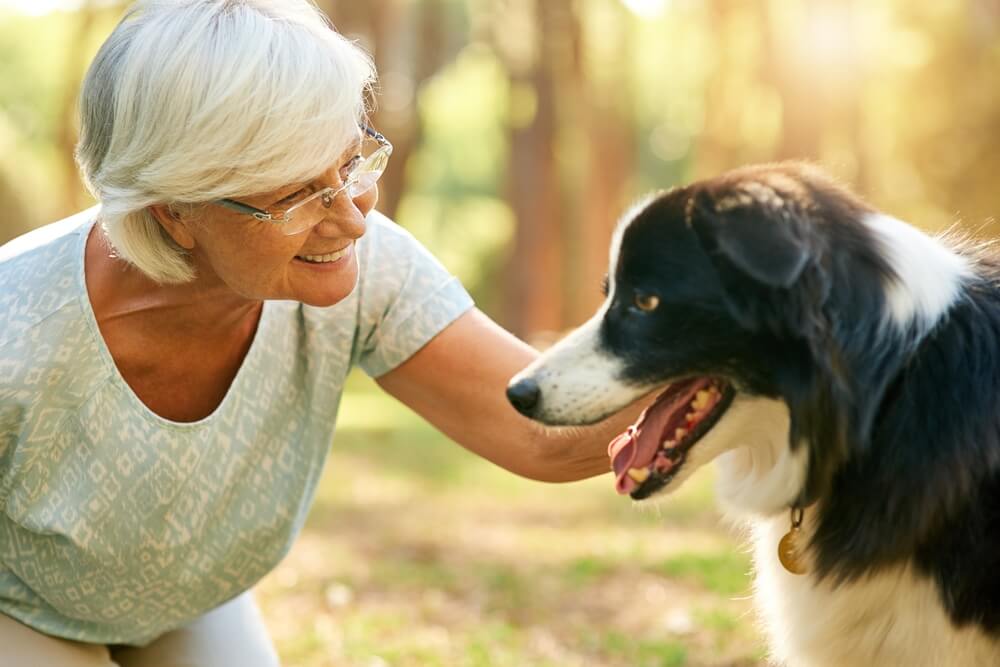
[788, 552]
[788, 547]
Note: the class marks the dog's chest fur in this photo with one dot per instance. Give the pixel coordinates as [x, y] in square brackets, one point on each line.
[891, 619]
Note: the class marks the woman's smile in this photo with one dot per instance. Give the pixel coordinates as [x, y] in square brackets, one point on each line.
[326, 262]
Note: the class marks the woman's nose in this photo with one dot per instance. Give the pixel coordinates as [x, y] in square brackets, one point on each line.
[343, 218]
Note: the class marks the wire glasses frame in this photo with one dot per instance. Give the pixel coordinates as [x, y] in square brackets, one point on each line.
[359, 181]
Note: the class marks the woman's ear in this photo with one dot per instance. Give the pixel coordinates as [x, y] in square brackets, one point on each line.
[175, 224]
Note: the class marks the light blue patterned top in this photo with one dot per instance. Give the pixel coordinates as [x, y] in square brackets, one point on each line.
[117, 525]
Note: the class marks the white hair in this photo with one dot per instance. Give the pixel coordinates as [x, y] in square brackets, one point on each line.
[189, 101]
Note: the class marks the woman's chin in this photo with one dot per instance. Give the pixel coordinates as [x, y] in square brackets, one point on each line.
[323, 302]
[324, 289]
[331, 295]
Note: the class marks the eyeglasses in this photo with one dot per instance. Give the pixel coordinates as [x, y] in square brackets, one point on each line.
[304, 209]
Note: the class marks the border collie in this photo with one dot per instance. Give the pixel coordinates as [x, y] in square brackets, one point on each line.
[843, 370]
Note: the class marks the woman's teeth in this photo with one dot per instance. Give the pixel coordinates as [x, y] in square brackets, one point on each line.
[322, 259]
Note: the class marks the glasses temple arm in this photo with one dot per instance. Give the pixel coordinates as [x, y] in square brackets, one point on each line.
[375, 134]
[243, 208]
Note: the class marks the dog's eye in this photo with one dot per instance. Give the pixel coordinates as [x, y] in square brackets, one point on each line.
[646, 302]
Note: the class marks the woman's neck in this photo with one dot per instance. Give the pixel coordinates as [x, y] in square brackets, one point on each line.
[205, 307]
[179, 347]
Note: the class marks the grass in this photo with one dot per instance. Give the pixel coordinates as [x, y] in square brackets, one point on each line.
[418, 554]
[724, 572]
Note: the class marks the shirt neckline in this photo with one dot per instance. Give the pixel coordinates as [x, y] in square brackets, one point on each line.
[115, 375]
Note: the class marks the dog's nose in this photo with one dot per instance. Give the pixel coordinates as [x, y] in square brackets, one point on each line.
[524, 395]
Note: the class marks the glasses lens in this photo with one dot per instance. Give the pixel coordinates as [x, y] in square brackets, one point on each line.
[363, 183]
[377, 161]
[300, 222]
[304, 215]
[368, 172]
[310, 212]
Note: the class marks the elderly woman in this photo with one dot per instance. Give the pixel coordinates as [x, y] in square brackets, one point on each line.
[172, 360]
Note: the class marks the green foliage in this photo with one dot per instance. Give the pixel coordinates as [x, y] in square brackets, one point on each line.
[588, 569]
[646, 653]
[726, 573]
[904, 106]
[453, 202]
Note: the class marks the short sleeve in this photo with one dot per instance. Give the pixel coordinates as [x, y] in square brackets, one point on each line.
[406, 297]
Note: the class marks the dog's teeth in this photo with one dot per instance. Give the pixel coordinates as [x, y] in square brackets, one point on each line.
[701, 399]
[639, 475]
[691, 417]
[680, 433]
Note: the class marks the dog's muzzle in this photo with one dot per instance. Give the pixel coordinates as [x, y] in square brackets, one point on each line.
[524, 395]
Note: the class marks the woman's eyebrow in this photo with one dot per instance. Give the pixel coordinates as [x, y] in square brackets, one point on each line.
[285, 192]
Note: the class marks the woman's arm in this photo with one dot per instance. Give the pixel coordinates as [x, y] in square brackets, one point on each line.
[458, 382]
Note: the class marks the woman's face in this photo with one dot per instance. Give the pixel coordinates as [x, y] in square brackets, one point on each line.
[256, 260]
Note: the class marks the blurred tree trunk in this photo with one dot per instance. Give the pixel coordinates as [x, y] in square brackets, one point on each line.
[810, 59]
[533, 275]
[739, 69]
[409, 44]
[818, 75]
[712, 154]
[568, 169]
[803, 110]
[607, 132]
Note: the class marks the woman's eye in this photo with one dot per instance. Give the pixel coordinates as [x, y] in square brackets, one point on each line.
[351, 165]
[298, 194]
[647, 303]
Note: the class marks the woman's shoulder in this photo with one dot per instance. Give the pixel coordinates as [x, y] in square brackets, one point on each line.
[385, 235]
[46, 342]
[404, 296]
[41, 273]
[389, 253]
[57, 237]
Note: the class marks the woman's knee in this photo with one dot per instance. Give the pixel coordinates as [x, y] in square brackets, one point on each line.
[232, 634]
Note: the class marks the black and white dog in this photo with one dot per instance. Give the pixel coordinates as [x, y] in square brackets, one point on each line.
[843, 368]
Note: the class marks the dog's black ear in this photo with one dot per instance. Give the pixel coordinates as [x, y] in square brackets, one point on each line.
[752, 229]
[758, 238]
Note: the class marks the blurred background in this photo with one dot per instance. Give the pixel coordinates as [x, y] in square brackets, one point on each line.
[523, 129]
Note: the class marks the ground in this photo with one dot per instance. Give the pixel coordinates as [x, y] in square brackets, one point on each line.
[417, 554]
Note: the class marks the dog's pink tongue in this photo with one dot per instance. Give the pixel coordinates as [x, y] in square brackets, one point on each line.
[636, 447]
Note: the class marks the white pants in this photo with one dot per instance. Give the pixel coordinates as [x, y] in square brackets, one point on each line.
[232, 634]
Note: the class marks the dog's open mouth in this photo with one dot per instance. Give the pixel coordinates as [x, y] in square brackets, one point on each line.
[650, 453]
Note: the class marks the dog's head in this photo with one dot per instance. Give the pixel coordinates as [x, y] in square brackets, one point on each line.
[768, 293]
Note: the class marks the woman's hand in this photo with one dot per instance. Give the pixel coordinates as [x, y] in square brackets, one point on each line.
[458, 383]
